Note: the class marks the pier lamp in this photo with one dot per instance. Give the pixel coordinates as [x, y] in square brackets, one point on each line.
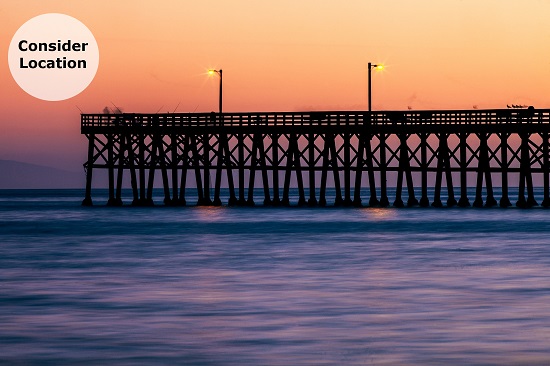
[220, 73]
[377, 67]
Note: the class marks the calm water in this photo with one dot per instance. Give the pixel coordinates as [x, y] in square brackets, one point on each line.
[270, 286]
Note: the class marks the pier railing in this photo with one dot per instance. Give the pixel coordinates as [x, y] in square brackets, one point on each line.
[348, 118]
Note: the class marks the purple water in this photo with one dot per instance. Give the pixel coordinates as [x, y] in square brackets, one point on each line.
[270, 286]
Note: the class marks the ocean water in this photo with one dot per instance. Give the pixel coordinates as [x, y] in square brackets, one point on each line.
[270, 286]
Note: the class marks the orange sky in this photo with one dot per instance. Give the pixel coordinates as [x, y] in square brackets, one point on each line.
[284, 55]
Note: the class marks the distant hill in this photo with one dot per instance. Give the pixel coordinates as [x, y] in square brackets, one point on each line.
[17, 175]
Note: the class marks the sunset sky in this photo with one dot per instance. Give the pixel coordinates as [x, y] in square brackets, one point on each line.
[285, 55]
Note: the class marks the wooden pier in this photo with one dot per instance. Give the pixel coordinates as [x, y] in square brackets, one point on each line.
[352, 151]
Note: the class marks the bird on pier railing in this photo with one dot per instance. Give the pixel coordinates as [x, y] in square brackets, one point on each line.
[516, 106]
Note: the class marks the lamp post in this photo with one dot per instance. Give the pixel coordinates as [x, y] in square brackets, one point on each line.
[384, 198]
[217, 201]
[371, 66]
[220, 73]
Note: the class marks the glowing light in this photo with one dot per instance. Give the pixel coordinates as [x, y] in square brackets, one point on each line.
[379, 67]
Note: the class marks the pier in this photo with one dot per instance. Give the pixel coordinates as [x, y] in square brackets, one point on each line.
[353, 151]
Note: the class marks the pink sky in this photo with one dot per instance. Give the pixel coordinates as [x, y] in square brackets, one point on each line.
[284, 55]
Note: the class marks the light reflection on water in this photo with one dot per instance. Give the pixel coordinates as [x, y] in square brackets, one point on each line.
[233, 286]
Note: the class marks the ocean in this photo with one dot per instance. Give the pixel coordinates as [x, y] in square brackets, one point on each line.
[270, 286]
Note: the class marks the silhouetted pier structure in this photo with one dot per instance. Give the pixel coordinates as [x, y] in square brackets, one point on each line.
[352, 151]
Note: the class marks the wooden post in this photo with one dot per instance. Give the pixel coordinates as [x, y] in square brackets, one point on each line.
[424, 201]
[89, 170]
[504, 200]
[463, 201]
[312, 202]
[384, 201]
[546, 169]
[275, 154]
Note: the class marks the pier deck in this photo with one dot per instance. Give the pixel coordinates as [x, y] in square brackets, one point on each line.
[354, 152]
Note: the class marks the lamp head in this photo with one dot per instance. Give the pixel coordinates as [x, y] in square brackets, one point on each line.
[214, 71]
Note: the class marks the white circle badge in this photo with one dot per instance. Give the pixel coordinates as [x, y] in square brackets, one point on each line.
[53, 57]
